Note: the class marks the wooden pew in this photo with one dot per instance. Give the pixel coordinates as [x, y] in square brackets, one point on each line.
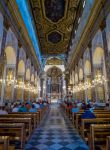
[85, 124]
[108, 143]
[26, 121]
[97, 114]
[75, 117]
[14, 130]
[24, 115]
[98, 134]
[4, 143]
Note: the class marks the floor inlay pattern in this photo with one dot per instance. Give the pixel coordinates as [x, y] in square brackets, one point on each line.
[56, 133]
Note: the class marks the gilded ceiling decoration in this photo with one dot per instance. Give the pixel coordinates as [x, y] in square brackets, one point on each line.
[54, 61]
[54, 21]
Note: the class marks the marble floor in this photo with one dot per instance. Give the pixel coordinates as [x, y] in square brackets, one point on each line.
[56, 133]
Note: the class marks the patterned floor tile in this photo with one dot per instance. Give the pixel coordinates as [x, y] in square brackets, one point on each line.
[56, 133]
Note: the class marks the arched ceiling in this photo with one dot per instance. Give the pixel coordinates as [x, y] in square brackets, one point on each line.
[54, 20]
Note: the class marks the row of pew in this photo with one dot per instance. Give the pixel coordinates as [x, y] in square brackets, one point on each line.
[96, 132]
[18, 128]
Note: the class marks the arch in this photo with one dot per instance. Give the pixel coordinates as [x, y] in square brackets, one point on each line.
[54, 61]
[61, 67]
[11, 39]
[28, 74]
[98, 55]
[76, 78]
[87, 67]
[80, 74]
[10, 55]
[35, 81]
[21, 67]
[32, 78]
[73, 79]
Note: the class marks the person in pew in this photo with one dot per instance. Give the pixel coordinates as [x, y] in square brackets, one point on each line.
[88, 113]
[83, 106]
[37, 105]
[95, 104]
[6, 107]
[3, 111]
[23, 108]
[33, 109]
[15, 108]
[75, 109]
[107, 107]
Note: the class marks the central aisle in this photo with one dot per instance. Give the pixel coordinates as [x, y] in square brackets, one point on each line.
[56, 133]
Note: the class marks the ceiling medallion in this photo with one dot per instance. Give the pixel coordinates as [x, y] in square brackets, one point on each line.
[54, 24]
[54, 9]
[54, 37]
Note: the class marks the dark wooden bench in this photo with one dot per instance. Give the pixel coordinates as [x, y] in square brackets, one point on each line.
[4, 143]
[85, 124]
[14, 130]
[23, 115]
[26, 121]
[97, 114]
[108, 143]
[98, 135]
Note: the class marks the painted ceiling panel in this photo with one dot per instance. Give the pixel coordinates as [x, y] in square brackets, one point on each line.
[54, 21]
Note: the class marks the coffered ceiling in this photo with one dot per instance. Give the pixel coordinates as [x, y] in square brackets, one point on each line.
[54, 20]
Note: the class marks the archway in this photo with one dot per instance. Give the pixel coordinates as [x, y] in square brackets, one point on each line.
[54, 82]
[28, 74]
[10, 55]
[20, 80]
[76, 78]
[32, 78]
[80, 74]
[87, 67]
[87, 72]
[98, 58]
[81, 77]
[21, 67]
[10, 73]
[27, 84]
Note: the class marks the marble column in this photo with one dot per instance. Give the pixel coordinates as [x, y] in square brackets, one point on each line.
[3, 58]
[92, 71]
[16, 76]
[106, 57]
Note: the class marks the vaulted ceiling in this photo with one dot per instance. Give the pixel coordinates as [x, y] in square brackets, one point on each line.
[54, 20]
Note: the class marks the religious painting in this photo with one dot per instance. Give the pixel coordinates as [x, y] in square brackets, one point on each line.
[54, 9]
[54, 37]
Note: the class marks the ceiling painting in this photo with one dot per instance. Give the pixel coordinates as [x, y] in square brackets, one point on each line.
[54, 21]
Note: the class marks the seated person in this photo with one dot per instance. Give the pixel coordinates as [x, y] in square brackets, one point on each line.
[23, 108]
[88, 113]
[75, 109]
[3, 111]
[15, 108]
[33, 109]
[107, 107]
[83, 106]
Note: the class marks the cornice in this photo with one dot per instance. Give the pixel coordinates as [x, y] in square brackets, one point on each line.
[87, 32]
[17, 18]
